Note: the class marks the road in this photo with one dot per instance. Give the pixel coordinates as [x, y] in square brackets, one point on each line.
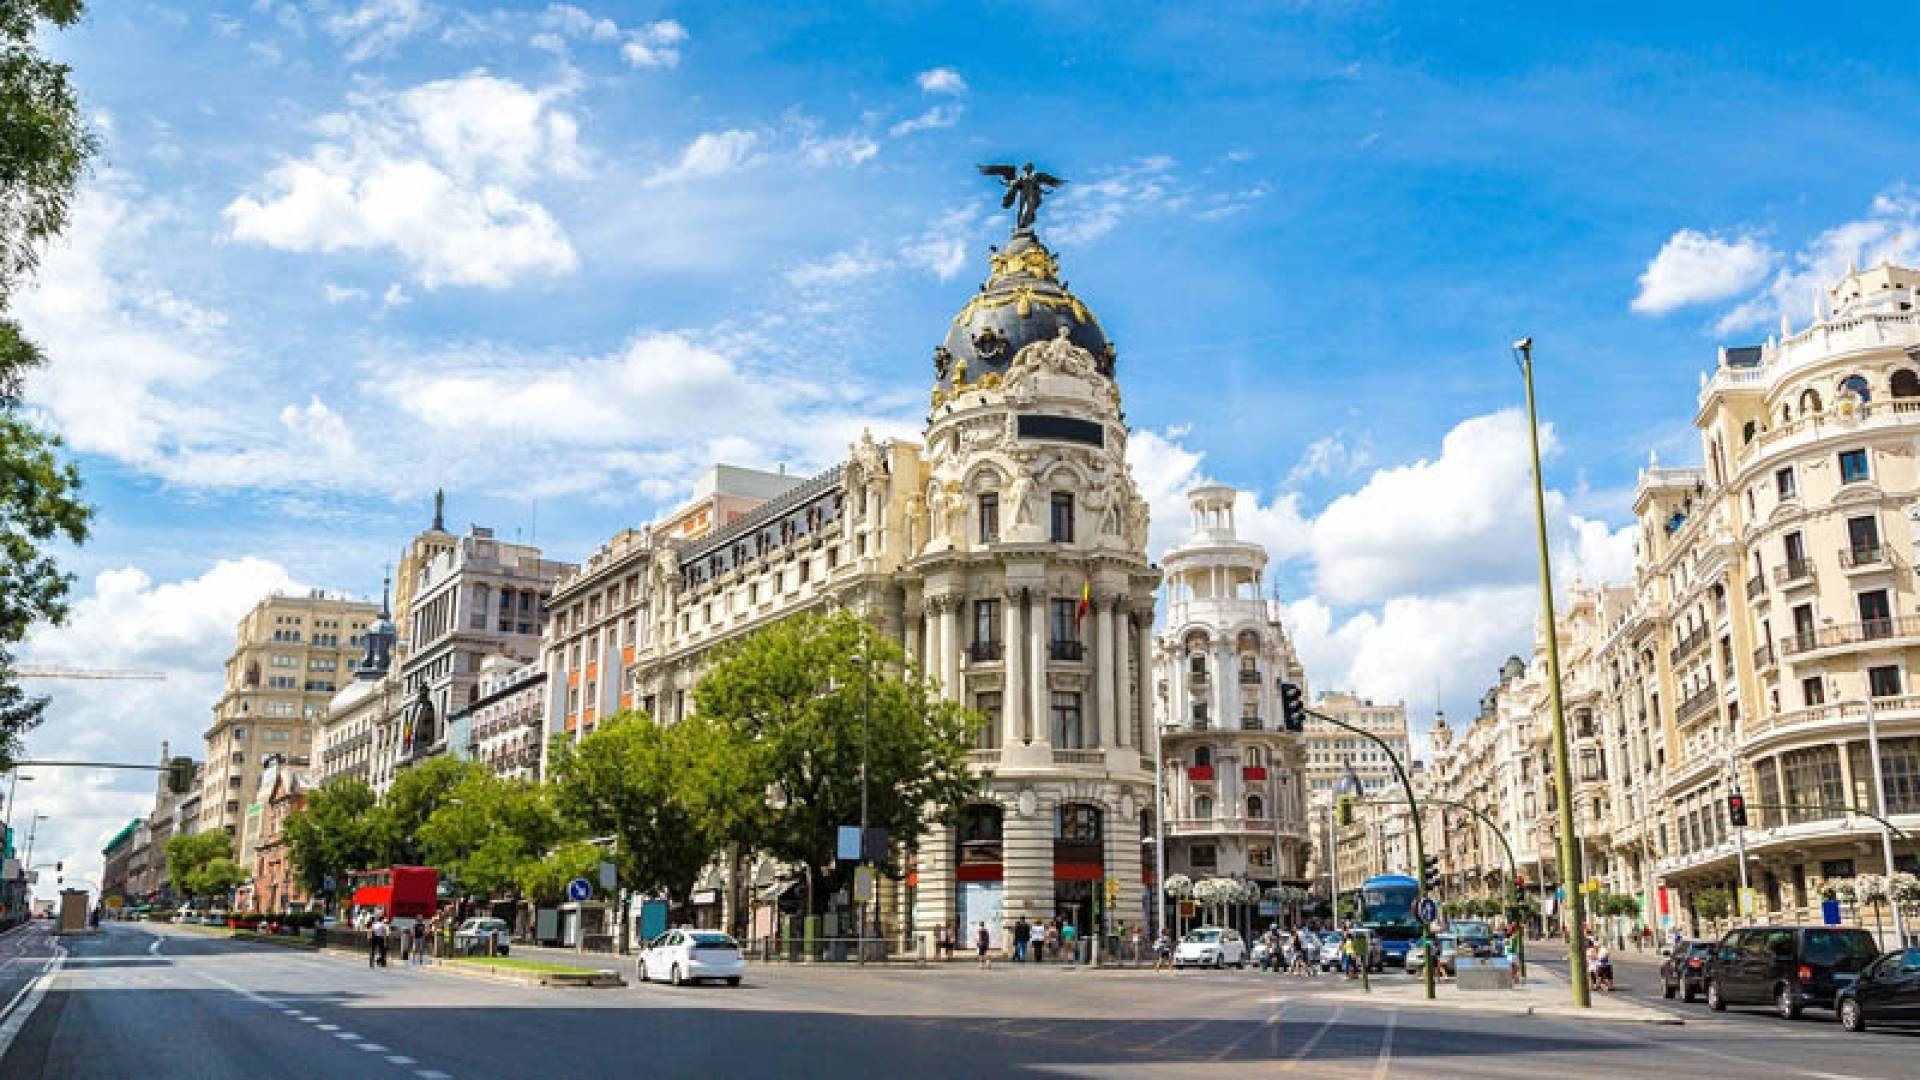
[162, 1002]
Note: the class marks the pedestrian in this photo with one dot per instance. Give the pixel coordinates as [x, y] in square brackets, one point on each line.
[1513, 958]
[983, 942]
[1163, 951]
[1350, 953]
[1306, 953]
[1137, 947]
[422, 933]
[1069, 942]
[377, 941]
[1022, 931]
[1053, 939]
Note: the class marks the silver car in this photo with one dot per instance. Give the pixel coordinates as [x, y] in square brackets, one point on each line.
[473, 936]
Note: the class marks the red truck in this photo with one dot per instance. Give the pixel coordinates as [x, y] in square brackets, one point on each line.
[403, 892]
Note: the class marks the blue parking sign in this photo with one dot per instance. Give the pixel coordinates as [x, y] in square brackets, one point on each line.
[579, 889]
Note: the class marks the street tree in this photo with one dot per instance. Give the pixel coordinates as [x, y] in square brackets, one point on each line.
[416, 793]
[487, 829]
[804, 704]
[202, 866]
[543, 881]
[627, 779]
[338, 830]
[44, 149]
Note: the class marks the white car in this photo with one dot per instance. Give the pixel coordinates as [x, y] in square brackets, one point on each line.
[1211, 946]
[474, 934]
[684, 956]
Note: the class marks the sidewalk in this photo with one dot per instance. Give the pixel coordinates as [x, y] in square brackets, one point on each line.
[1545, 994]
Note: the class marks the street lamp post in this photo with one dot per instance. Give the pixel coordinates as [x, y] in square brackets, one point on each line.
[1886, 830]
[866, 718]
[1562, 775]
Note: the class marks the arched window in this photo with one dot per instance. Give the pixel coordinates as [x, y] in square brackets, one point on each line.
[1197, 665]
[1256, 807]
[1857, 384]
[980, 834]
[1203, 806]
[1077, 823]
[1203, 757]
[1905, 383]
[1809, 401]
[1746, 432]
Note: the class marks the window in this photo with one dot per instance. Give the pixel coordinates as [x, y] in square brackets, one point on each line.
[1256, 757]
[1260, 855]
[1876, 615]
[1813, 780]
[1256, 807]
[1857, 384]
[1905, 384]
[1803, 635]
[989, 517]
[1067, 734]
[1063, 517]
[1203, 807]
[1066, 625]
[1853, 466]
[1197, 665]
[1884, 681]
[1203, 756]
[1863, 540]
[1900, 773]
[1203, 857]
[1077, 823]
[987, 735]
[1783, 483]
[986, 627]
[1813, 691]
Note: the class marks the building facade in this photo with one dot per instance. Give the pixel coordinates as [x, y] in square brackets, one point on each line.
[291, 654]
[1331, 750]
[117, 857]
[276, 885]
[1233, 778]
[505, 723]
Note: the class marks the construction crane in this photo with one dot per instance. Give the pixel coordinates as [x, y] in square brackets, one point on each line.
[86, 673]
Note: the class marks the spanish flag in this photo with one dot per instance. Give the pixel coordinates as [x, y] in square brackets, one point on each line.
[1086, 601]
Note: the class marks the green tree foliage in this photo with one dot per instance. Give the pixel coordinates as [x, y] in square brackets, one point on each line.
[338, 830]
[628, 779]
[416, 794]
[790, 704]
[202, 866]
[1712, 903]
[544, 880]
[44, 147]
[486, 831]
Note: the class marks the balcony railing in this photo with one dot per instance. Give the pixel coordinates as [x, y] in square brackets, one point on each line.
[1197, 677]
[1863, 556]
[1837, 711]
[1250, 723]
[1079, 757]
[1696, 704]
[1763, 658]
[987, 757]
[1249, 677]
[1192, 826]
[1689, 643]
[1828, 637]
[1756, 585]
[1793, 570]
[984, 652]
[1068, 650]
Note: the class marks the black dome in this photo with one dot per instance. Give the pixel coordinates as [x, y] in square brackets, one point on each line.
[1021, 303]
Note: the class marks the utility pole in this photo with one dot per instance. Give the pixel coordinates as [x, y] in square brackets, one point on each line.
[1739, 836]
[1880, 803]
[1562, 775]
[866, 711]
[1159, 827]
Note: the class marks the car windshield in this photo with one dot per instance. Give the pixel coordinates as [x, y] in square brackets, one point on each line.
[711, 939]
[1845, 950]
[1205, 936]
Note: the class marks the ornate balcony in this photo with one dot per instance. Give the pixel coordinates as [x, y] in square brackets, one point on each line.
[1756, 586]
[1249, 677]
[1687, 645]
[1079, 757]
[1830, 637]
[1763, 658]
[1696, 704]
[1793, 572]
[1865, 557]
[1261, 826]
[1068, 650]
[984, 652]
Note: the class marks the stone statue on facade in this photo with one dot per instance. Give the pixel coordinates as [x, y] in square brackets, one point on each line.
[1025, 191]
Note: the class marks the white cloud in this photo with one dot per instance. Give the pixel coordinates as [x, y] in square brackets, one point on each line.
[852, 148]
[839, 268]
[1693, 267]
[941, 80]
[940, 116]
[656, 44]
[340, 294]
[124, 619]
[1088, 210]
[1890, 231]
[712, 153]
[436, 174]
[1332, 457]
[376, 26]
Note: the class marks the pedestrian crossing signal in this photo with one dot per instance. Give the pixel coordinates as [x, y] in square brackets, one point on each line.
[1293, 708]
[1737, 810]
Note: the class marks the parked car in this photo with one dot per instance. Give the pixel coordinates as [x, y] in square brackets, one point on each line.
[1887, 993]
[1447, 946]
[1791, 966]
[1210, 946]
[1684, 971]
[1329, 951]
[1474, 937]
[684, 956]
[473, 935]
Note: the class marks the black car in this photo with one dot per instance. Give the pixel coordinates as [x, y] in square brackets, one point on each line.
[1791, 967]
[1887, 992]
[1684, 971]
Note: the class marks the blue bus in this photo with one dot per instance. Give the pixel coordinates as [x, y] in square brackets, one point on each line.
[1386, 909]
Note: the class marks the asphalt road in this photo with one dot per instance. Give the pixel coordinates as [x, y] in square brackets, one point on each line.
[165, 1002]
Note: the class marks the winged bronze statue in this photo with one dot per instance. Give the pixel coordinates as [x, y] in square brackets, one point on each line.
[1025, 187]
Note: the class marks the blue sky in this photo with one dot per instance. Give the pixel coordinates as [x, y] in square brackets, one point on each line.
[556, 258]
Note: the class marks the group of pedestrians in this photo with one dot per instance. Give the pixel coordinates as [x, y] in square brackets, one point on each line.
[415, 937]
[1293, 952]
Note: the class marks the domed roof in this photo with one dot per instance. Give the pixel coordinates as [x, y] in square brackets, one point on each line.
[1022, 302]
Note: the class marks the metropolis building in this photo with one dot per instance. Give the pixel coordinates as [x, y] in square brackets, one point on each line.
[1005, 552]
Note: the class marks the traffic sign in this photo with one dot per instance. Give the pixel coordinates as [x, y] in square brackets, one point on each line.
[863, 884]
[579, 889]
[1427, 909]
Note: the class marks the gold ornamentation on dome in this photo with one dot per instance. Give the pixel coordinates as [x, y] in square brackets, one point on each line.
[939, 397]
[1025, 296]
[991, 382]
[1034, 261]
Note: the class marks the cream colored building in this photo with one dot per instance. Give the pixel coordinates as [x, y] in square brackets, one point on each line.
[975, 549]
[291, 654]
[1233, 777]
[1331, 750]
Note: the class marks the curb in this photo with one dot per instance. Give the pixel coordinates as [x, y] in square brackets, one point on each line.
[552, 980]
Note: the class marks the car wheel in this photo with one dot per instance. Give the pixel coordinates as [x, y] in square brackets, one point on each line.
[1219, 962]
[1852, 1017]
[1714, 1000]
[733, 980]
[1687, 993]
[673, 976]
[643, 971]
[1667, 990]
[1784, 1004]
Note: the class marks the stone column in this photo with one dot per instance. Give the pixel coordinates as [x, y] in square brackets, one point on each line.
[1120, 678]
[915, 618]
[1028, 844]
[1038, 721]
[1222, 656]
[1123, 860]
[1013, 655]
[950, 645]
[1102, 681]
[931, 662]
[934, 898]
[1145, 675]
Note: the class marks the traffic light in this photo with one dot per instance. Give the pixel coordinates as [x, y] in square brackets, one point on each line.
[1430, 873]
[1737, 810]
[180, 775]
[59, 867]
[1345, 810]
[1293, 709]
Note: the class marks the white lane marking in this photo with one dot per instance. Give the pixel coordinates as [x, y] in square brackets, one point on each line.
[373, 1048]
[355, 1036]
[306, 1019]
[401, 1059]
[21, 1007]
[1385, 1063]
[1188, 1030]
[1307, 1047]
[326, 1027]
[154, 949]
[1227, 1050]
[1736, 1059]
[433, 1074]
